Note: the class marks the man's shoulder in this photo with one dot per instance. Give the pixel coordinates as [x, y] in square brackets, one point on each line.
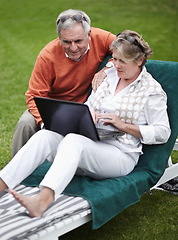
[102, 35]
[52, 44]
[99, 31]
[51, 48]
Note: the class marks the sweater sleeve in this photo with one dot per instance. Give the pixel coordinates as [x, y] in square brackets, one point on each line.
[103, 40]
[39, 84]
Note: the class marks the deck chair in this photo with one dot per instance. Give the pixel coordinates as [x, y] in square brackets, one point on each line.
[84, 199]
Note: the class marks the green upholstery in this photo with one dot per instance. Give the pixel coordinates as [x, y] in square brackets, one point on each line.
[125, 191]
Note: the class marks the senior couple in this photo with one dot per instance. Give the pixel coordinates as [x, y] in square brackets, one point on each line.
[128, 100]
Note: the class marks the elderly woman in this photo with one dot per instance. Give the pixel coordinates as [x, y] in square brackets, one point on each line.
[129, 101]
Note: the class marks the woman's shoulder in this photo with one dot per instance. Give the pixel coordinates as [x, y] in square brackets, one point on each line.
[153, 86]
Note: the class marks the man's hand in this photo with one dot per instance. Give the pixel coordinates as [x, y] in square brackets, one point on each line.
[98, 79]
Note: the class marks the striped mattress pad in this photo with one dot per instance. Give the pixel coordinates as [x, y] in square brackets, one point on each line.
[15, 222]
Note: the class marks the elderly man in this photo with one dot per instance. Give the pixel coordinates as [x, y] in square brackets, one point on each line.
[64, 69]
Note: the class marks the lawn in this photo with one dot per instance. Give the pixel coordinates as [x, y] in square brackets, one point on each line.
[26, 27]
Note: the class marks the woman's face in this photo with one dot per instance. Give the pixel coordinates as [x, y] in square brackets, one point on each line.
[125, 71]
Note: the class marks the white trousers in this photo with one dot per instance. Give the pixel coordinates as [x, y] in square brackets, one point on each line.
[70, 155]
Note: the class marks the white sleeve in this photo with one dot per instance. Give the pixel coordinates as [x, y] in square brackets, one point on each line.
[158, 129]
[88, 101]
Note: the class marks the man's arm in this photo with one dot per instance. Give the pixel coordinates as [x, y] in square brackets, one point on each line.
[39, 85]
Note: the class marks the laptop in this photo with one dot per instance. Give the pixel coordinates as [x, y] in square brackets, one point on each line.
[66, 117]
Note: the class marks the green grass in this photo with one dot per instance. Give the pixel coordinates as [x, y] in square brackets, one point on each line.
[26, 27]
[153, 218]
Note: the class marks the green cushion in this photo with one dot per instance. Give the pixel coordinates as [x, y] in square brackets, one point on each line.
[125, 191]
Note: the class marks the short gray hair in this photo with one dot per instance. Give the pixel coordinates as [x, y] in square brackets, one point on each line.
[69, 23]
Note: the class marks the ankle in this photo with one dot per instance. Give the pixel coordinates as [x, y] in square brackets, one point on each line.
[46, 196]
[3, 186]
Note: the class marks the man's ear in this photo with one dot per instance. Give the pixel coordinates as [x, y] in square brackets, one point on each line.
[89, 35]
[59, 41]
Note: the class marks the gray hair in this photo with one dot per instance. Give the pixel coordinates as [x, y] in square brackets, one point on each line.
[131, 51]
[69, 23]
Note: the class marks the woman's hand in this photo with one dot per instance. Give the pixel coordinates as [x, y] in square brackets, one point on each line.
[113, 119]
[94, 116]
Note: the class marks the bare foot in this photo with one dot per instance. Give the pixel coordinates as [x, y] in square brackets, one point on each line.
[36, 205]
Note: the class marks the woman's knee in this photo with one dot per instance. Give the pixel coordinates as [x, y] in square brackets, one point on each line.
[74, 143]
[74, 139]
[47, 135]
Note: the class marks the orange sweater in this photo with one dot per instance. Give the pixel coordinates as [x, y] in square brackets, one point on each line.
[56, 76]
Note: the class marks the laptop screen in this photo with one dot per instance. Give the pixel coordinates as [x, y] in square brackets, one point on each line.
[66, 117]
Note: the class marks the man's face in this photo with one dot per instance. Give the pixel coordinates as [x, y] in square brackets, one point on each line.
[74, 41]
